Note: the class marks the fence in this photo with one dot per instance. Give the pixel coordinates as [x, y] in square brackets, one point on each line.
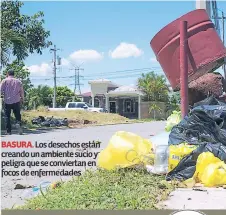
[159, 113]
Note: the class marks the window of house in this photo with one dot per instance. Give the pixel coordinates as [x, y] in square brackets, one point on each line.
[96, 102]
[129, 106]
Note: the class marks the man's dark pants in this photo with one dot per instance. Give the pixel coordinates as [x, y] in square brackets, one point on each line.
[16, 110]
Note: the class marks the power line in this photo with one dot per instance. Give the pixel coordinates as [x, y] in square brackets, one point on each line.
[132, 71]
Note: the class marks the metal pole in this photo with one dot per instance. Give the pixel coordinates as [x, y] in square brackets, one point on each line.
[75, 81]
[184, 68]
[223, 42]
[54, 73]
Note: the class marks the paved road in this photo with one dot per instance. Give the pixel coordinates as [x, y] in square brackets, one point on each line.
[11, 197]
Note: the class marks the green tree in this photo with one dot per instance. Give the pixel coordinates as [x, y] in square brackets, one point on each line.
[173, 103]
[155, 108]
[154, 87]
[39, 96]
[21, 34]
[64, 95]
[43, 96]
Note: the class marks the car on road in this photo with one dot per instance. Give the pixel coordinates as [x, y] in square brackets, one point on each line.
[78, 106]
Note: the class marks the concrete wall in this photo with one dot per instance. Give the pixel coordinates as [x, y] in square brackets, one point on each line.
[158, 115]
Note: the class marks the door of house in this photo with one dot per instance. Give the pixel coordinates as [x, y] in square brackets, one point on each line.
[112, 107]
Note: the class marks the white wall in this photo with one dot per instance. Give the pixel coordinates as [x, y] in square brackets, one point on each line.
[204, 4]
[99, 88]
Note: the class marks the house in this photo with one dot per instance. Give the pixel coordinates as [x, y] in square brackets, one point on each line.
[123, 100]
[99, 88]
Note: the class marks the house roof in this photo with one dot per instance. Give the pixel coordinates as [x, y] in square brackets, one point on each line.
[102, 80]
[125, 90]
[99, 81]
[87, 94]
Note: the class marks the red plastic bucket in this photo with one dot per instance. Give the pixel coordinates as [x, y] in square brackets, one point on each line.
[206, 50]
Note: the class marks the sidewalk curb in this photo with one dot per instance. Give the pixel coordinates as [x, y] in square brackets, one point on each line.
[83, 126]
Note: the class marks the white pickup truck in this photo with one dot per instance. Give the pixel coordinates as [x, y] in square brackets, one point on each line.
[78, 106]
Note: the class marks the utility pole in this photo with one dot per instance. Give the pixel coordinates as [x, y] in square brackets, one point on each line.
[223, 39]
[54, 50]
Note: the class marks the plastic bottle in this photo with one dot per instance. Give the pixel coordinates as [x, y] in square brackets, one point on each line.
[161, 159]
[160, 139]
[33, 192]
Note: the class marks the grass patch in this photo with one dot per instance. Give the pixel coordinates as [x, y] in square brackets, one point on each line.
[104, 190]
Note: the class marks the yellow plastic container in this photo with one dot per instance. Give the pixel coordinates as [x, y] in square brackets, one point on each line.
[125, 149]
[210, 170]
[178, 152]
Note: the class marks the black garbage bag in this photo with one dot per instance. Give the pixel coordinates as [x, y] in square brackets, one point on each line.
[63, 122]
[50, 121]
[205, 126]
[209, 101]
[206, 123]
[187, 166]
[38, 120]
[45, 124]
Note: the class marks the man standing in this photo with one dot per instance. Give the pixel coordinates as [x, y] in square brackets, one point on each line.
[13, 92]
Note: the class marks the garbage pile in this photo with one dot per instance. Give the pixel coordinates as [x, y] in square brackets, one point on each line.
[205, 128]
[200, 88]
[192, 149]
[49, 122]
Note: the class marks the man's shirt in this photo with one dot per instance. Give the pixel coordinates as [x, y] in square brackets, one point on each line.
[12, 89]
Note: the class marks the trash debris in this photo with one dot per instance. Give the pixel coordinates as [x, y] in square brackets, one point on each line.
[150, 168]
[49, 122]
[178, 152]
[210, 170]
[173, 120]
[205, 159]
[200, 189]
[209, 101]
[21, 187]
[160, 139]
[126, 149]
[161, 159]
[205, 123]
[214, 175]
[55, 185]
[85, 122]
[202, 86]
[205, 127]
[187, 166]
[192, 154]
[190, 183]
[36, 190]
